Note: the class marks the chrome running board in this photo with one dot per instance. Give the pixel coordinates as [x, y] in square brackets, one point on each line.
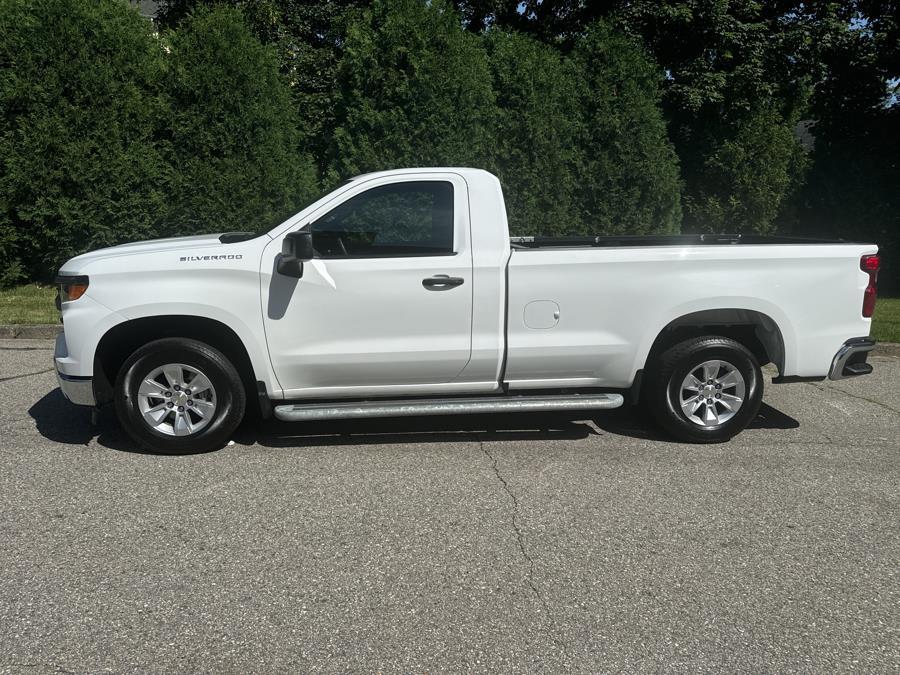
[299, 412]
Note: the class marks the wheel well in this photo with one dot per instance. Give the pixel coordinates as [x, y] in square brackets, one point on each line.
[122, 340]
[756, 331]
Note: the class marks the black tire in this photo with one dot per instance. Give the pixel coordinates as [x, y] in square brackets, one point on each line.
[229, 396]
[662, 394]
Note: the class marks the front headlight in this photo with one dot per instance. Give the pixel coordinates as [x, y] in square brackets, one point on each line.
[71, 287]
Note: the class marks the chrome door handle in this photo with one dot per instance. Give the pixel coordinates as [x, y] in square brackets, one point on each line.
[441, 282]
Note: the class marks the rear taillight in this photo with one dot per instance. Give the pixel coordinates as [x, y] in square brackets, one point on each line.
[870, 264]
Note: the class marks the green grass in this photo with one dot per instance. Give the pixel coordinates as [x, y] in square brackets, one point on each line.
[35, 304]
[886, 322]
[28, 304]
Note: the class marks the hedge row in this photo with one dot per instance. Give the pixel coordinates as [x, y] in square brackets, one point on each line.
[111, 131]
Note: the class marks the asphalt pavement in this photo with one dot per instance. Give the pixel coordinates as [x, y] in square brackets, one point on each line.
[515, 543]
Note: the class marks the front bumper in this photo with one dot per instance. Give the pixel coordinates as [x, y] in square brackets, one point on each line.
[79, 389]
[850, 359]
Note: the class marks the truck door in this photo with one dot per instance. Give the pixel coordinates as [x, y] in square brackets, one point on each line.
[387, 301]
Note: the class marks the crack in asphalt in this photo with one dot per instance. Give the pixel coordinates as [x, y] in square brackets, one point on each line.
[26, 349]
[856, 396]
[520, 540]
[16, 377]
[56, 668]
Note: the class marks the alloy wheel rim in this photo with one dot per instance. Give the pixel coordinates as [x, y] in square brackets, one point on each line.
[176, 400]
[712, 393]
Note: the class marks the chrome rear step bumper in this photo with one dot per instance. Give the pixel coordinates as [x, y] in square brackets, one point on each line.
[850, 360]
[300, 412]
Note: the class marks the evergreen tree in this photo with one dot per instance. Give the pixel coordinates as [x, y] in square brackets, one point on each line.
[628, 178]
[235, 147]
[741, 178]
[538, 121]
[731, 67]
[415, 91]
[732, 98]
[80, 165]
[308, 39]
[853, 189]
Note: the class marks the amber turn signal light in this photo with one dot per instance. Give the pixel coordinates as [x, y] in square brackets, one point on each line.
[71, 288]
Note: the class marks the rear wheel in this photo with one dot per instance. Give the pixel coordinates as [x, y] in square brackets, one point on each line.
[179, 396]
[705, 390]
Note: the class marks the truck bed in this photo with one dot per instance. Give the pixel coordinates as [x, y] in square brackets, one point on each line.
[589, 308]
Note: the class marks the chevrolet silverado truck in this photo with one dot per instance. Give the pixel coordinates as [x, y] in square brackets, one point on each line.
[402, 293]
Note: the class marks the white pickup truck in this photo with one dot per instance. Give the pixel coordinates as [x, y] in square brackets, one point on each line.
[402, 293]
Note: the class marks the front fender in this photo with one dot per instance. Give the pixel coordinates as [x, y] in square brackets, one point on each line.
[250, 335]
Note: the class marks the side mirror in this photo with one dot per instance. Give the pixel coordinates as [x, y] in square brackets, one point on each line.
[296, 248]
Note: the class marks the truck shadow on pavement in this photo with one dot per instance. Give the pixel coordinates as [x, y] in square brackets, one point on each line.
[59, 421]
[627, 421]
[398, 431]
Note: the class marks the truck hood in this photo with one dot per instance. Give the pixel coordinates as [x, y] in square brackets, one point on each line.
[192, 243]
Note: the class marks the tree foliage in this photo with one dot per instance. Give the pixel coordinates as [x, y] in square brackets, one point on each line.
[732, 101]
[415, 90]
[308, 39]
[579, 143]
[853, 186]
[629, 180]
[80, 162]
[622, 116]
[537, 125]
[744, 177]
[112, 132]
[739, 77]
[233, 132]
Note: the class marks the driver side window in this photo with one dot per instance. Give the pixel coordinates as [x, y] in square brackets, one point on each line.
[403, 219]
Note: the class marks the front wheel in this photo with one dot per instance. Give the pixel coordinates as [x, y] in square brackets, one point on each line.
[178, 396]
[705, 390]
